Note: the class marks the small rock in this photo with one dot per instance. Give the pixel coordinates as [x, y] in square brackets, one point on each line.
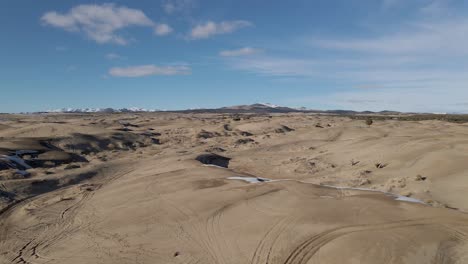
[72, 166]
[246, 134]
[420, 178]
[207, 134]
[244, 141]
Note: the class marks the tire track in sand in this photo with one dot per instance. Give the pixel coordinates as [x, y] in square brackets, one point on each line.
[302, 253]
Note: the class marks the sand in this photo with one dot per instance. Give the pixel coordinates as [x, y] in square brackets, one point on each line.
[130, 188]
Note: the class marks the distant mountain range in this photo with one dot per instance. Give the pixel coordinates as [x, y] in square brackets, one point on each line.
[252, 108]
[101, 110]
[270, 108]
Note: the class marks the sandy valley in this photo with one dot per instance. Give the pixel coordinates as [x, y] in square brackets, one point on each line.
[226, 188]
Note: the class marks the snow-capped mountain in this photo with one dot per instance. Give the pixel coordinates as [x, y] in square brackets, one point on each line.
[101, 110]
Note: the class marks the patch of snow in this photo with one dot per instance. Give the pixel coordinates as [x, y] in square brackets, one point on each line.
[269, 105]
[250, 179]
[212, 165]
[408, 199]
[395, 196]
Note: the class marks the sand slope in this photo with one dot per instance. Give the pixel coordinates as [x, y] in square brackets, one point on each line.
[157, 204]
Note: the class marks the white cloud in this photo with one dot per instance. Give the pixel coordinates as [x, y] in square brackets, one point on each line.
[444, 37]
[162, 29]
[275, 66]
[148, 70]
[211, 28]
[173, 6]
[113, 56]
[376, 73]
[99, 22]
[239, 52]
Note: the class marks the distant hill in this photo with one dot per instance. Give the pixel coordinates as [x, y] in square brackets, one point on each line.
[270, 108]
[253, 108]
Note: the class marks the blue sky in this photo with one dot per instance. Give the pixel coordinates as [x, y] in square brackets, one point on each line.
[176, 54]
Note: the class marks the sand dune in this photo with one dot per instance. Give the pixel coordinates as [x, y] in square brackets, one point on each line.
[142, 195]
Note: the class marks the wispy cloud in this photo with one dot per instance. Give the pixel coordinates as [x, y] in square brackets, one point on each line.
[113, 56]
[239, 52]
[387, 72]
[275, 66]
[162, 29]
[443, 37]
[148, 70]
[211, 28]
[389, 3]
[400, 99]
[100, 22]
[174, 6]
[437, 8]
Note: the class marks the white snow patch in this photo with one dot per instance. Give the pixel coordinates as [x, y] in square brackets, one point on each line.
[212, 165]
[269, 105]
[395, 196]
[250, 179]
[408, 199]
